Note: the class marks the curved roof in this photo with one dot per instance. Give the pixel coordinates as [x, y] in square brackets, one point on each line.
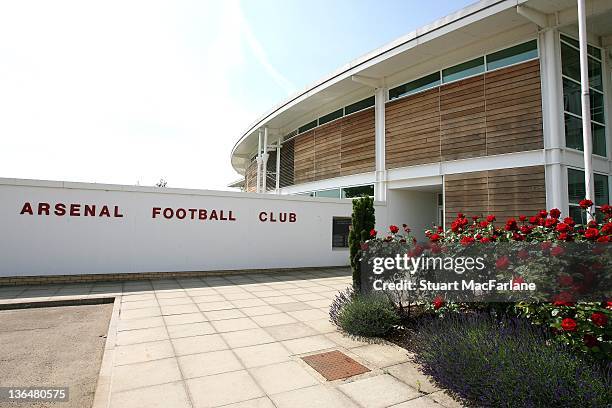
[392, 64]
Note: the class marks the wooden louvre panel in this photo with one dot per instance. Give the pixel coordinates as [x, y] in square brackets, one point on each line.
[504, 193]
[466, 193]
[304, 157]
[250, 177]
[327, 150]
[413, 129]
[286, 164]
[271, 171]
[516, 191]
[357, 140]
[462, 119]
[514, 109]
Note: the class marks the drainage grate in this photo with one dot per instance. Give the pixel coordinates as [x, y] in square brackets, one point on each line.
[335, 365]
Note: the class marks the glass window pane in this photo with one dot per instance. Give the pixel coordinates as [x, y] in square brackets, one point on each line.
[595, 78]
[577, 214]
[570, 62]
[307, 126]
[601, 189]
[420, 84]
[340, 232]
[573, 135]
[359, 191]
[571, 97]
[473, 67]
[331, 116]
[335, 193]
[512, 55]
[360, 105]
[575, 185]
[597, 106]
[594, 51]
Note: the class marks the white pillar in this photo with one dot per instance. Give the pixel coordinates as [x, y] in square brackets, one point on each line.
[552, 115]
[257, 190]
[278, 159]
[586, 107]
[264, 161]
[380, 186]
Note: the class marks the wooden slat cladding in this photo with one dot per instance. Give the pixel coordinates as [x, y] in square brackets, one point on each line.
[493, 113]
[514, 109]
[286, 164]
[505, 193]
[303, 164]
[250, 177]
[462, 119]
[327, 151]
[413, 130]
[339, 148]
[357, 143]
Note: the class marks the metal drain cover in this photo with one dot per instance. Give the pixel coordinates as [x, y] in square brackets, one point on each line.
[335, 365]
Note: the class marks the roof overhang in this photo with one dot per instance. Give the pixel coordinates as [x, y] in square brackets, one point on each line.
[466, 30]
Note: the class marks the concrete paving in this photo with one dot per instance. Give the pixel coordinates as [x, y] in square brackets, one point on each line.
[236, 341]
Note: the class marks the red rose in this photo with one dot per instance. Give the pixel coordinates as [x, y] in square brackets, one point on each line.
[557, 251]
[434, 237]
[502, 262]
[543, 213]
[485, 240]
[609, 304]
[440, 228]
[603, 239]
[592, 224]
[563, 299]
[555, 213]
[526, 229]
[511, 224]
[455, 226]
[564, 237]
[550, 222]
[562, 227]
[484, 224]
[394, 229]
[569, 221]
[584, 204]
[517, 281]
[606, 229]
[522, 254]
[518, 237]
[590, 340]
[373, 233]
[474, 218]
[438, 302]
[467, 240]
[522, 218]
[460, 215]
[599, 319]
[566, 280]
[534, 220]
[491, 218]
[568, 324]
[591, 233]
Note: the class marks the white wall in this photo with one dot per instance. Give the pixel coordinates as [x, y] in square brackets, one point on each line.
[417, 209]
[53, 245]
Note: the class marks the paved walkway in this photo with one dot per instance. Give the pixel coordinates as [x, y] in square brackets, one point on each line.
[236, 341]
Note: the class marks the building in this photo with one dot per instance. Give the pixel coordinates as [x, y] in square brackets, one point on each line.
[477, 112]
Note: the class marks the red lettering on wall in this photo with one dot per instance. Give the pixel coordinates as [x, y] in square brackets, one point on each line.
[283, 217]
[263, 217]
[203, 214]
[192, 212]
[90, 211]
[60, 209]
[156, 212]
[75, 210]
[213, 215]
[168, 213]
[105, 212]
[27, 208]
[231, 216]
[292, 217]
[181, 213]
[43, 208]
[116, 213]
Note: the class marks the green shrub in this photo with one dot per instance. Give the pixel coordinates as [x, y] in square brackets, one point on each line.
[368, 315]
[363, 221]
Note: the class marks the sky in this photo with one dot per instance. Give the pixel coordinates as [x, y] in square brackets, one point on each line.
[128, 92]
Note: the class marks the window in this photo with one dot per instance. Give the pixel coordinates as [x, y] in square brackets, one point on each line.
[512, 55]
[360, 105]
[308, 126]
[359, 191]
[309, 194]
[473, 67]
[335, 193]
[340, 232]
[576, 191]
[572, 104]
[415, 86]
[331, 116]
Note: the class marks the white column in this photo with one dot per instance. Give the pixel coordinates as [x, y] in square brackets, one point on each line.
[586, 107]
[380, 187]
[552, 115]
[258, 189]
[278, 159]
[264, 160]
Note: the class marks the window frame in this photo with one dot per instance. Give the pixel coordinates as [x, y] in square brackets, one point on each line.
[575, 204]
[346, 237]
